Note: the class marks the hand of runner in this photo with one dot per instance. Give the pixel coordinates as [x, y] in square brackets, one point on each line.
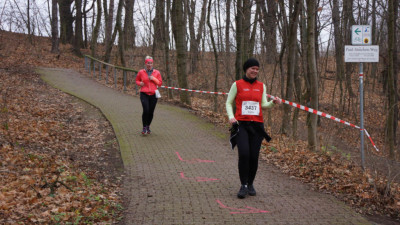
[277, 100]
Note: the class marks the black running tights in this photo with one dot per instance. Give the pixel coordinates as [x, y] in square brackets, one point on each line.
[248, 145]
[149, 104]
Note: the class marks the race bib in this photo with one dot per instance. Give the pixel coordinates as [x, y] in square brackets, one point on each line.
[250, 108]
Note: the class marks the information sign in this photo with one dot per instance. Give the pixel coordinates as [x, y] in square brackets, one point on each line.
[361, 53]
[361, 35]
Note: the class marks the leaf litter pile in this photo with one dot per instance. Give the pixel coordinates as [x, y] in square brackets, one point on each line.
[330, 172]
[59, 158]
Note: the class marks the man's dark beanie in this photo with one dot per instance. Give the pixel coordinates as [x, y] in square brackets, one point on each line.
[249, 63]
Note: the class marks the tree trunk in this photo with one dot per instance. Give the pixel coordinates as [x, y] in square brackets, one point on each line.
[166, 47]
[78, 40]
[85, 27]
[227, 26]
[114, 35]
[195, 40]
[348, 22]
[217, 12]
[304, 41]
[239, 40]
[215, 56]
[129, 29]
[66, 21]
[227, 36]
[192, 35]
[339, 49]
[54, 28]
[85, 42]
[283, 31]
[297, 97]
[246, 47]
[312, 75]
[96, 30]
[291, 63]
[252, 39]
[121, 46]
[158, 24]
[270, 36]
[179, 31]
[242, 18]
[392, 114]
[118, 28]
[29, 21]
[377, 36]
[269, 26]
[108, 28]
[374, 42]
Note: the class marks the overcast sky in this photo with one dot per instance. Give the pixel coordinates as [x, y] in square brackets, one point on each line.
[13, 18]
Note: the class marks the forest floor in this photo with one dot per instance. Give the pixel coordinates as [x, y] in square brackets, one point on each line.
[60, 159]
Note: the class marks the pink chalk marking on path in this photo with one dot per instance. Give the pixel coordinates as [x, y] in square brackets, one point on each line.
[198, 179]
[248, 209]
[194, 160]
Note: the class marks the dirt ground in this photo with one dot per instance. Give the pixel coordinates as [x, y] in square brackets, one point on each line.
[55, 130]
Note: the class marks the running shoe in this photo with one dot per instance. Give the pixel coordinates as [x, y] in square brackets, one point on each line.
[243, 191]
[252, 191]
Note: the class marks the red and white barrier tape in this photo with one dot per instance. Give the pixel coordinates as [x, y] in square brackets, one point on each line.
[302, 107]
[195, 91]
[319, 113]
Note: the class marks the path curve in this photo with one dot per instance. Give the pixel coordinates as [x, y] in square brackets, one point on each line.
[185, 172]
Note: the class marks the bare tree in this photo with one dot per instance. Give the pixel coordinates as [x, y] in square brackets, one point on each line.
[85, 43]
[252, 38]
[291, 63]
[392, 116]
[115, 32]
[121, 39]
[179, 31]
[227, 36]
[78, 40]
[108, 18]
[269, 26]
[243, 16]
[348, 21]
[66, 21]
[96, 29]
[283, 30]
[215, 56]
[129, 28]
[28, 11]
[54, 27]
[374, 40]
[158, 24]
[337, 30]
[312, 74]
[166, 46]
[195, 40]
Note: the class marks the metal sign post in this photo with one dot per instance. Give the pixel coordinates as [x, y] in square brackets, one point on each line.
[361, 76]
[361, 51]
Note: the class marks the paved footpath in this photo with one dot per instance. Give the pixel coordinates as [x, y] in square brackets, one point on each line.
[185, 172]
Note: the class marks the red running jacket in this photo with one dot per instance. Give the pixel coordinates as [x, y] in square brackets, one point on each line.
[150, 86]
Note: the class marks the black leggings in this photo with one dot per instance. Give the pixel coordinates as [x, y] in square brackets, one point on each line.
[149, 103]
[248, 143]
